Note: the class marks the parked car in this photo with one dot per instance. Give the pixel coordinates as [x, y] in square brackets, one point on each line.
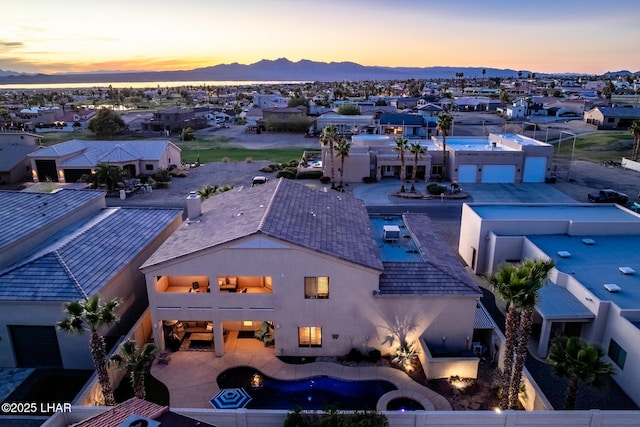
[257, 180]
[608, 195]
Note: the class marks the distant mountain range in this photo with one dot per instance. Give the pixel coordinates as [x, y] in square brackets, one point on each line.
[269, 70]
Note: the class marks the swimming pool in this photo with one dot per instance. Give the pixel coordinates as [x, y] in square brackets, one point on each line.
[309, 393]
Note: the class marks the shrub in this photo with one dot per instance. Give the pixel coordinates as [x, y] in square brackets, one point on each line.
[309, 174]
[162, 184]
[374, 356]
[225, 160]
[266, 169]
[163, 175]
[368, 180]
[288, 172]
[436, 189]
[354, 355]
[325, 179]
[274, 166]
[248, 160]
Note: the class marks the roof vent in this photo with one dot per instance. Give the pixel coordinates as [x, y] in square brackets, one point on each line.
[588, 242]
[612, 287]
[626, 270]
[564, 254]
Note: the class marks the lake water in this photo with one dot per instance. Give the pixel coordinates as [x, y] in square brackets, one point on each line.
[138, 85]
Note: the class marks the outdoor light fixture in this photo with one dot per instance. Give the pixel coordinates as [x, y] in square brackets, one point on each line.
[256, 381]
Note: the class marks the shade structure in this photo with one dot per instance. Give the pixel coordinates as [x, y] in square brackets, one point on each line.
[230, 398]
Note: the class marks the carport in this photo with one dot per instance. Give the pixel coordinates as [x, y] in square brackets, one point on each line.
[560, 311]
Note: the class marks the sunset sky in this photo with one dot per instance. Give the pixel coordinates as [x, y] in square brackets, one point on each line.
[585, 36]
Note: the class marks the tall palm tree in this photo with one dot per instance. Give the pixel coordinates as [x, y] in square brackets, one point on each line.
[342, 150]
[401, 146]
[136, 362]
[484, 71]
[445, 121]
[634, 129]
[329, 138]
[508, 282]
[536, 272]
[578, 361]
[416, 149]
[89, 315]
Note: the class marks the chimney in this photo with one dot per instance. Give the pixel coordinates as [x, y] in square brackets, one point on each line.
[194, 208]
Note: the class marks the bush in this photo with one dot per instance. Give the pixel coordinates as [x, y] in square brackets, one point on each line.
[325, 179]
[266, 169]
[310, 174]
[225, 160]
[354, 356]
[275, 167]
[288, 172]
[436, 189]
[248, 160]
[330, 417]
[368, 180]
[374, 356]
[163, 175]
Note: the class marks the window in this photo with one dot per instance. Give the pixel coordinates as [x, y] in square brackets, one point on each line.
[148, 167]
[309, 336]
[316, 287]
[617, 354]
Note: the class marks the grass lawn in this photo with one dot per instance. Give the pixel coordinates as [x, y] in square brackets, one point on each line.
[597, 147]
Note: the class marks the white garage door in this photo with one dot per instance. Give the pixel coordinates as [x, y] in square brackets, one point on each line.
[535, 169]
[467, 173]
[498, 173]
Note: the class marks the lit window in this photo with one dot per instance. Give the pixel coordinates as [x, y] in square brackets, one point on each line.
[309, 336]
[316, 287]
[617, 354]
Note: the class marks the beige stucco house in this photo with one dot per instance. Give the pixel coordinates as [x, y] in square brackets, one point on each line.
[65, 246]
[593, 291]
[312, 269]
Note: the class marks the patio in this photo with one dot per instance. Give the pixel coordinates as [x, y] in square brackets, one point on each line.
[191, 376]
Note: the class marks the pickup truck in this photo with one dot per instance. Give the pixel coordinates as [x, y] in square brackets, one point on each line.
[608, 196]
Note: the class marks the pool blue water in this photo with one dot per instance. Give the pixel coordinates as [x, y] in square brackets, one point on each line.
[317, 392]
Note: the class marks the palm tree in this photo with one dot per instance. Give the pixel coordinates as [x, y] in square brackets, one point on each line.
[416, 149]
[329, 138]
[401, 146]
[108, 175]
[635, 131]
[136, 362]
[508, 282]
[445, 121]
[89, 315]
[578, 361]
[207, 191]
[536, 272]
[342, 150]
[484, 71]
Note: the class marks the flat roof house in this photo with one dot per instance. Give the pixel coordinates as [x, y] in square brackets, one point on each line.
[594, 289]
[68, 161]
[309, 271]
[65, 246]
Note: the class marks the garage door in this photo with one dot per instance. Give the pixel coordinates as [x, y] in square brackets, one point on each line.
[467, 173]
[74, 175]
[498, 173]
[535, 169]
[35, 346]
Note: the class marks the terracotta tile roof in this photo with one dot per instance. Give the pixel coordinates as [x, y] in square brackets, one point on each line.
[116, 415]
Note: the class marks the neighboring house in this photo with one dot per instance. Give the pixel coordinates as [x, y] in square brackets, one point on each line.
[402, 124]
[516, 110]
[346, 124]
[134, 412]
[504, 158]
[65, 246]
[134, 122]
[14, 150]
[612, 117]
[266, 101]
[594, 289]
[281, 115]
[314, 271]
[174, 119]
[68, 161]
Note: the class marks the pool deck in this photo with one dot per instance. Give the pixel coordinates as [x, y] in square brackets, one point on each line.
[191, 376]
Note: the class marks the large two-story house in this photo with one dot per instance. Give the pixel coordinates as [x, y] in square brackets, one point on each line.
[314, 270]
